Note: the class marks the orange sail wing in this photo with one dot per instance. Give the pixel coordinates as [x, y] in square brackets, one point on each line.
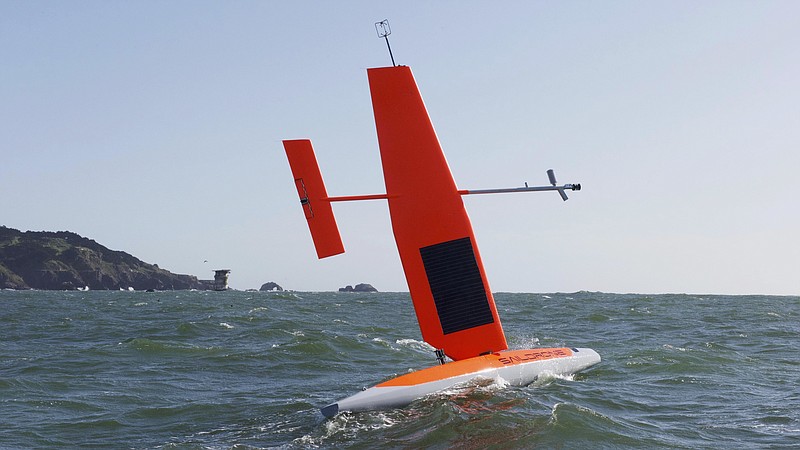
[443, 268]
[313, 197]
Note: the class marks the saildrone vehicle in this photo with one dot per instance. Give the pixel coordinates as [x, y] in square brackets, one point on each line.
[446, 280]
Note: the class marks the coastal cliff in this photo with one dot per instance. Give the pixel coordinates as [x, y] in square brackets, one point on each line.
[65, 260]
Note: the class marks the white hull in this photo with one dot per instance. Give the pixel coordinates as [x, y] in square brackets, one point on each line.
[517, 371]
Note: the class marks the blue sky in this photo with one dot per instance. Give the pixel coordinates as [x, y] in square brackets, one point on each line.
[156, 127]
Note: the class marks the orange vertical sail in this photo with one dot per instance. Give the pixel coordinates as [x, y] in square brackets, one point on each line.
[443, 268]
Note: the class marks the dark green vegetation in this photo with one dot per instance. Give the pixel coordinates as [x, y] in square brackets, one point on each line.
[65, 260]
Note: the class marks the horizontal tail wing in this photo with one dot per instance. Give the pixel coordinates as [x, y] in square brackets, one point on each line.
[313, 197]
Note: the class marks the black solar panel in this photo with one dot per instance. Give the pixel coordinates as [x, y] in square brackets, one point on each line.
[456, 285]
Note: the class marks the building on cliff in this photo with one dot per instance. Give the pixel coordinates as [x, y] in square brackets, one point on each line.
[220, 281]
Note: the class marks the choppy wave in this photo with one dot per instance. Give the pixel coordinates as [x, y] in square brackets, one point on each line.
[250, 370]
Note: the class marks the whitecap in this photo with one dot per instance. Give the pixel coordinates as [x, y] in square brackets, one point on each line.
[348, 424]
[384, 342]
[499, 383]
[526, 342]
[670, 347]
[415, 345]
[566, 377]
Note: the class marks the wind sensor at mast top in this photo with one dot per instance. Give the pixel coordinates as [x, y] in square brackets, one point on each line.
[384, 31]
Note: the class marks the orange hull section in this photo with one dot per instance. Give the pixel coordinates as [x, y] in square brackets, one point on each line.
[443, 268]
[476, 365]
[313, 197]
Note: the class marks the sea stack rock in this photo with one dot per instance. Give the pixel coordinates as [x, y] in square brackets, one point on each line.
[363, 287]
[271, 286]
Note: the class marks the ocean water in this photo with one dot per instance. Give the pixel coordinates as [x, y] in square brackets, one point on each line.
[242, 370]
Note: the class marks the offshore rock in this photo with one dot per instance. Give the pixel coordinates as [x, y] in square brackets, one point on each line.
[363, 287]
[64, 260]
[271, 286]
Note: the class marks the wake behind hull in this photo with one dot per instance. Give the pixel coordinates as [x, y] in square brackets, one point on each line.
[516, 367]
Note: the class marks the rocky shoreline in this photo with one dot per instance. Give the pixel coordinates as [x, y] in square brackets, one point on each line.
[362, 287]
[64, 260]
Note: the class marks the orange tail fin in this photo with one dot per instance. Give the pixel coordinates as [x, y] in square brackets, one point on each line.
[314, 197]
